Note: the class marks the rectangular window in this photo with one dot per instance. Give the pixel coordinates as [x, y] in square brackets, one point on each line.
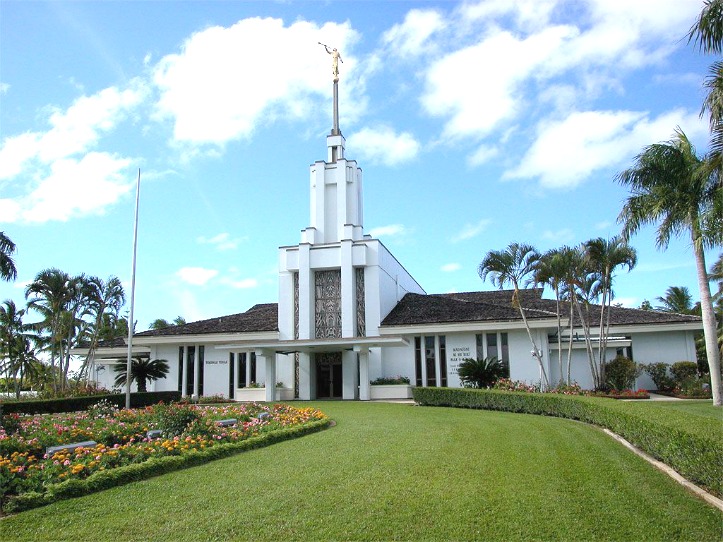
[180, 369]
[231, 375]
[492, 345]
[253, 367]
[443, 361]
[241, 378]
[418, 360]
[505, 348]
[201, 369]
[480, 346]
[430, 359]
[190, 355]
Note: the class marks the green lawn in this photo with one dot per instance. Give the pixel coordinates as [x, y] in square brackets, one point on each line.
[700, 408]
[390, 471]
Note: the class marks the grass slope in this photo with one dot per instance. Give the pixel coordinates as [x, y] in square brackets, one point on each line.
[390, 471]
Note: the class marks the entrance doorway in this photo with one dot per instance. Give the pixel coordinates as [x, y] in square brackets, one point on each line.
[328, 375]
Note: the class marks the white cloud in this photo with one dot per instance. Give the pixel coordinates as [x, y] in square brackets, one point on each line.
[4, 87]
[471, 230]
[222, 241]
[450, 267]
[561, 236]
[382, 145]
[388, 231]
[411, 38]
[76, 188]
[241, 284]
[54, 175]
[476, 104]
[213, 93]
[483, 154]
[198, 276]
[593, 140]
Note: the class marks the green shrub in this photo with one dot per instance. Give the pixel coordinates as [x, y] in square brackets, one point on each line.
[74, 404]
[694, 388]
[658, 373]
[620, 373]
[481, 373]
[390, 381]
[697, 455]
[683, 370]
[174, 419]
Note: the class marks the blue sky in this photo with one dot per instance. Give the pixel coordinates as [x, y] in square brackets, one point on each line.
[476, 124]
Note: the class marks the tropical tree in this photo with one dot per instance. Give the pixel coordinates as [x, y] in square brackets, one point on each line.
[604, 256]
[162, 323]
[515, 266]
[707, 33]
[482, 373]
[677, 299]
[17, 358]
[105, 299]
[671, 187]
[7, 265]
[143, 370]
[552, 269]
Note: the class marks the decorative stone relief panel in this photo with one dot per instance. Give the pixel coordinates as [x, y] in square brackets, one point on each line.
[361, 328]
[327, 313]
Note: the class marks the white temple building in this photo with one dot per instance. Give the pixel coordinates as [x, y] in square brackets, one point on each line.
[348, 313]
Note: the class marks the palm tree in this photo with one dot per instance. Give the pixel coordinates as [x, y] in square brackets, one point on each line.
[516, 266]
[604, 256]
[162, 323]
[49, 295]
[671, 187]
[142, 370]
[707, 33]
[7, 265]
[552, 270]
[105, 301]
[677, 299]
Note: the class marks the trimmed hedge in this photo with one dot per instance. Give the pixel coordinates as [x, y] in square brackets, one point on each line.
[697, 456]
[107, 479]
[73, 404]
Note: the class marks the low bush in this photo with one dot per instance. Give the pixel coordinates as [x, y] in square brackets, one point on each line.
[683, 370]
[390, 381]
[620, 373]
[482, 373]
[658, 373]
[697, 455]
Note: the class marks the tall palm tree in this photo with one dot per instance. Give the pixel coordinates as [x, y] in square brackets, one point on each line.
[49, 295]
[7, 265]
[604, 257]
[552, 270]
[671, 187]
[515, 266]
[707, 33]
[142, 370]
[677, 299]
[105, 299]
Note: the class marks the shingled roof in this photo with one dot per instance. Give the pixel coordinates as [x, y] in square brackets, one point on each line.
[496, 305]
[262, 317]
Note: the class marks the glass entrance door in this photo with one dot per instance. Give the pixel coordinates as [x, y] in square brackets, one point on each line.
[328, 375]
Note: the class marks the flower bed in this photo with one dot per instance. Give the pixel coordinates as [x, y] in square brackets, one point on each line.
[122, 439]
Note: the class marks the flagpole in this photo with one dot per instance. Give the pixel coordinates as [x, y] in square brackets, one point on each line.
[133, 294]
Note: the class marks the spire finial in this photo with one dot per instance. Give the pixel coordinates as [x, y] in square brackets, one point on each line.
[335, 59]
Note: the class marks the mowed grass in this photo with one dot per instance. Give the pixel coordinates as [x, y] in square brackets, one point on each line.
[699, 408]
[398, 472]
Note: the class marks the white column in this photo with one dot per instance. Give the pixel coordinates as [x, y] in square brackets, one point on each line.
[437, 364]
[269, 360]
[348, 291]
[196, 369]
[364, 386]
[306, 377]
[349, 384]
[306, 294]
[249, 377]
[184, 372]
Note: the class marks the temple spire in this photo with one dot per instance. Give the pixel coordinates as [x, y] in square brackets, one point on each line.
[335, 59]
